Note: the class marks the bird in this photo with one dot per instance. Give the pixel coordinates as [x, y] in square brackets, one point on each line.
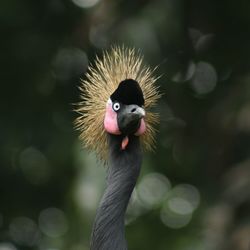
[116, 121]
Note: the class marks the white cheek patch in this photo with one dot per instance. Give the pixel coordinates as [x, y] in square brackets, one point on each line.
[109, 102]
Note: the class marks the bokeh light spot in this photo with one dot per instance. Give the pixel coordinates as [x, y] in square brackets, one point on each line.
[98, 36]
[135, 208]
[185, 75]
[7, 246]
[87, 195]
[69, 63]
[172, 219]
[24, 231]
[204, 43]
[180, 206]
[187, 192]
[141, 34]
[204, 79]
[53, 222]
[153, 189]
[34, 166]
[85, 3]
[194, 35]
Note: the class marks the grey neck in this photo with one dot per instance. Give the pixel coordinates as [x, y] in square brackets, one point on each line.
[124, 168]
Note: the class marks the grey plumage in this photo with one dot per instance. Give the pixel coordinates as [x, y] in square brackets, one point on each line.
[124, 168]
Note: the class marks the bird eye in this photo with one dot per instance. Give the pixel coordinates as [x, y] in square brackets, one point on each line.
[116, 106]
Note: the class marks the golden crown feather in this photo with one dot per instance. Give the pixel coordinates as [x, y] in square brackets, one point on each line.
[102, 79]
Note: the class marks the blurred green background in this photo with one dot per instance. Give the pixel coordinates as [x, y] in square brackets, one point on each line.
[194, 191]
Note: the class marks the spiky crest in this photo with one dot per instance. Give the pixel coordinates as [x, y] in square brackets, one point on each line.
[101, 81]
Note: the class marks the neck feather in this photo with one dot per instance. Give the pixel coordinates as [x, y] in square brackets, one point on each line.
[124, 168]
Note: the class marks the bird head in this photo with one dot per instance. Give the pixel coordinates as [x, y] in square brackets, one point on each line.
[116, 99]
[124, 110]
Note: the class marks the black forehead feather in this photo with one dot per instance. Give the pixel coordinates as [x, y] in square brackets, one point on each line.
[128, 92]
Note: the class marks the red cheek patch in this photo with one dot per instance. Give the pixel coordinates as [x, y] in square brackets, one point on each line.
[110, 121]
[141, 130]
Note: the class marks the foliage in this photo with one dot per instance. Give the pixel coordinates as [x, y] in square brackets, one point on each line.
[193, 192]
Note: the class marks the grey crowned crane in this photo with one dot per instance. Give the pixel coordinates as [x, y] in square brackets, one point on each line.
[115, 121]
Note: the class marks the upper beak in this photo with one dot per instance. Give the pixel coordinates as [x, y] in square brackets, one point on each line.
[138, 111]
[133, 113]
[129, 118]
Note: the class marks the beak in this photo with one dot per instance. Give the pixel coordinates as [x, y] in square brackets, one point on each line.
[129, 118]
[138, 111]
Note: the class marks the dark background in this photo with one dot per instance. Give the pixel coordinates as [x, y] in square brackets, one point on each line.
[194, 191]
